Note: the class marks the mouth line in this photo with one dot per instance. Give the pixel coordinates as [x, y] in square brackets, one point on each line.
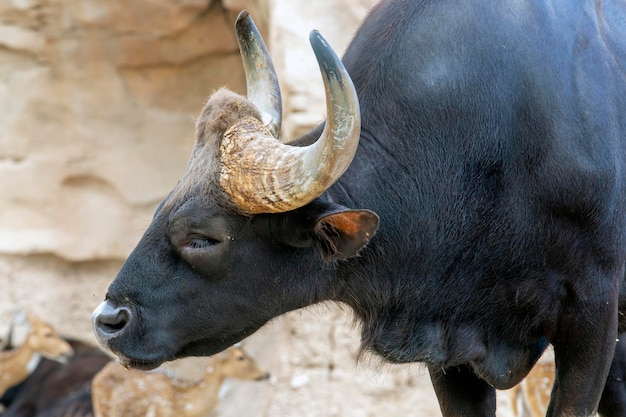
[141, 364]
[193, 348]
[216, 344]
[147, 364]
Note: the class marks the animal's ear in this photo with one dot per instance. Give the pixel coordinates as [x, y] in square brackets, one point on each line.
[338, 232]
[344, 232]
[19, 328]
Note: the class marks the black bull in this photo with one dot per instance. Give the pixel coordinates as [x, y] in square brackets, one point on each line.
[493, 150]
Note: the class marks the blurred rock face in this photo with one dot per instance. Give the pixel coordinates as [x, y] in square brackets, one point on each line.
[97, 121]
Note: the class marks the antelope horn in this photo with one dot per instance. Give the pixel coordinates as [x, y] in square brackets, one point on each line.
[262, 175]
[261, 80]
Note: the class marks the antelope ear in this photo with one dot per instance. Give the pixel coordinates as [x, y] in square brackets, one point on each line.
[19, 328]
[343, 232]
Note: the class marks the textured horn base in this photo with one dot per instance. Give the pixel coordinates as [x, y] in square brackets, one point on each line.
[260, 174]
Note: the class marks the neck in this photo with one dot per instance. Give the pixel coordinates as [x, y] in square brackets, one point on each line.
[15, 366]
[198, 398]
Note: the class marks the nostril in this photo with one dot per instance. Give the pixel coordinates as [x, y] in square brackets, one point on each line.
[109, 320]
[113, 323]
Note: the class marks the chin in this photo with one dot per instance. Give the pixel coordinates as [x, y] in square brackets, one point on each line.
[140, 364]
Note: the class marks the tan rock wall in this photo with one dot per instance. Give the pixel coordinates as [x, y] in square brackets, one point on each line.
[96, 124]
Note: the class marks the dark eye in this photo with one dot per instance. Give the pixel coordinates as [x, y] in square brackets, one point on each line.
[200, 242]
[200, 238]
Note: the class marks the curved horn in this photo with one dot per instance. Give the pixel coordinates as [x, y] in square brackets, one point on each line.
[261, 80]
[262, 175]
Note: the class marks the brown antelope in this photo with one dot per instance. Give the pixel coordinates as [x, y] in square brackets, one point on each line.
[120, 392]
[41, 340]
[532, 395]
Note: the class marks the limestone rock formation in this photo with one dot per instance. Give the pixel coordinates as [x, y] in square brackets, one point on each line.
[97, 122]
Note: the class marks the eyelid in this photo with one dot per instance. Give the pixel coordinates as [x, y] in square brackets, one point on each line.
[202, 237]
[184, 229]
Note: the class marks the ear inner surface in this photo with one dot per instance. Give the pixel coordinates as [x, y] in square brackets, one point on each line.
[345, 233]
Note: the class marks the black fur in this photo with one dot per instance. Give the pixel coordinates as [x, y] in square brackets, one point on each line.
[493, 150]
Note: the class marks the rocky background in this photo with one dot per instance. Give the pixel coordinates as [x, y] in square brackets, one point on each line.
[97, 122]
